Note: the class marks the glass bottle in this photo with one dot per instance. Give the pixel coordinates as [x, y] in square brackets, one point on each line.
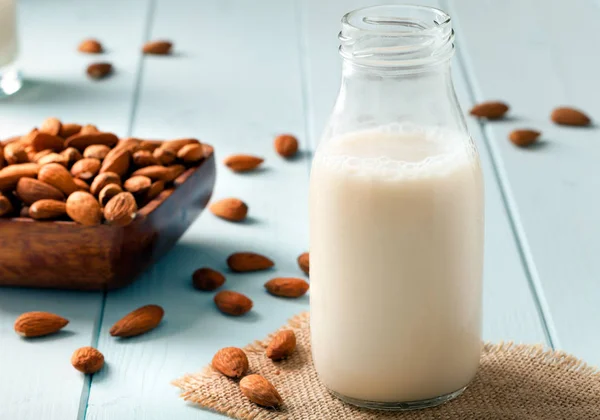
[396, 219]
[10, 77]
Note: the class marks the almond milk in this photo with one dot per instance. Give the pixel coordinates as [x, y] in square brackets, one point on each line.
[396, 244]
[8, 32]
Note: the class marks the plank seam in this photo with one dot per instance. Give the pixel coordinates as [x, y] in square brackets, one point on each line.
[510, 207]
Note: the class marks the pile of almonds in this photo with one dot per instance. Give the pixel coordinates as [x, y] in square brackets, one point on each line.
[73, 172]
[495, 110]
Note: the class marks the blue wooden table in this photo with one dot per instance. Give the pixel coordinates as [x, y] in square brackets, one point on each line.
[245, 71]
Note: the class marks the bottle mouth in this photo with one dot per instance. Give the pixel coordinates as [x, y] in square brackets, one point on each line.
[396, 36]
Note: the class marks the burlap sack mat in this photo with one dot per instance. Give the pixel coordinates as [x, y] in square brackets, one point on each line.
[514, 382]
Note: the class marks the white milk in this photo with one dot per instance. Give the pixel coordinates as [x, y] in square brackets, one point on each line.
[8, 32]
[396, 249]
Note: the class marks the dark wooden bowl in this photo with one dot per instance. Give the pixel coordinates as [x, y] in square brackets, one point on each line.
[67, 255]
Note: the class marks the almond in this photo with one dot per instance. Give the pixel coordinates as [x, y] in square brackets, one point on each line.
[176, 145]
[231, 362]
[231, 209]
[491, 110]
[81, 185]
[87, 360]
[155, 189]
[138, 185]
[84, 139]
[24, 212]
[260, 391]
[287, 287]
[232, 303]
[90, 46]
[282, 345]
[130, 143]
[30, 152]
[117, 161]
[83, 208]
[15, 153]
[150, 145]
[30, 190]
[157, 47]
[242, 163]
[191, 153]
[38, 324]
[96, 151]
[104, 179]
[28, 138]
[2, 162]
[208, 150]
[164, 156]
[207, 279]
[174, 172]
[53, 158]
[304, 263]
[99, 70]
[6, 206]
[42, 141]
[121, 209]
[72, 155]
[108, 192]
[89, 129]
[51, 126]
[47, 209]
[57, 176]
[248, 261]
[570, 116]
[143, 158]
[69, 129]
[523, 138]
[155, 173]
[286, 145]
[138, 322]
[86, 168]
[10, 175]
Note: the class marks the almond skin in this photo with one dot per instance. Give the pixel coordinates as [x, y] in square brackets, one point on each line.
[150, 145]
[30, 190]
[72, 155]
[207, 279]
[260, 391]
[15, 153]
[232, 303]
[289, 287]
[57, 176]
[104, 179]
[43, 141]
[38, 324]
[83, 208]
[53, 158]
[232, 209]
[87, 360]
[524, 138]
[143, 158]
[164, 156]
[117, 161]
[491, 110]
[157, 47]
[96, 151]
[90, 46]
[121, 209]
[242, 163]
[108, 192]
[570, 116]
[47, 209]
[86, 168]
[248, 261]
[6, 206]
[138, 185]
[191, 153]
[286, 145]
[282, 345]
[83, 139]
[51, 126]
[231, 362]
[99, 71]
[177, 144]
[155, 173]
[40, 155]
[89, 129]
[304, 262]
[138, 322]
[69, 129]
[10, 175]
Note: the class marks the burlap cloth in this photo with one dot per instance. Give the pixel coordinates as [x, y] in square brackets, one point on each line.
[513, 382]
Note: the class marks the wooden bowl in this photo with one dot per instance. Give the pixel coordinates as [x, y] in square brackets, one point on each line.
[67, 255]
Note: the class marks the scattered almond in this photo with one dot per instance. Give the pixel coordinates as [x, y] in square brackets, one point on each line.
[90, 46]
[492, 110]
[207, 279]
[121, 209]
[157, 47]
[287, 287]
[138, 322]
[96, 151]
[108, 192]
[523, 138]
[242, 163]
[304, 263]
[57, 176]
[47, 209]
[30, 190]
[104, 179]
[191, 153]
[87, 360]
[138, 185]
[260, 391]
[282, 345]
[231, 362]
[231, 209]
[86, 168]
[38, 324]
[51, 126]
[99, 70]
[10, 175]
[83, 208]
[570, 116]
[248, 261]
[286, 145]
[232, 303]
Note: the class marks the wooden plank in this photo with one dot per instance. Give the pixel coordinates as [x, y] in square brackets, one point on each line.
[510, 312]
[38, 381]
[235, 82]
[546, 60]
